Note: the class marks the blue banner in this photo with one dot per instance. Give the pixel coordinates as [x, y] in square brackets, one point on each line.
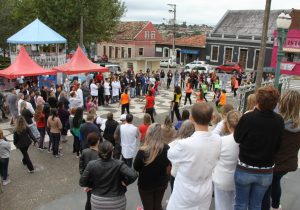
[194, 52]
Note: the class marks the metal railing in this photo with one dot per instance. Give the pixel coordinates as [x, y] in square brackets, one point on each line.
[245, 90]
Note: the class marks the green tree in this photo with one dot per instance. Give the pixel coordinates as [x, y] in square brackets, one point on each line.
[100, 17]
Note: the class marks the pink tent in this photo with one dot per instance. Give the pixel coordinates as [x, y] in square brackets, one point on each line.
[79, 63]
[24, 66]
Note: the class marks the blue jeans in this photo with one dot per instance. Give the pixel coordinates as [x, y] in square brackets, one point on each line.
[132, 92]
[250, 189]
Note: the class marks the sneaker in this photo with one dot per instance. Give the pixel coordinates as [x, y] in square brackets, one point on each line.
[279, 208]
[5, 117]
[6, 182]
[57, 156]
[49, 151]
[31, 172]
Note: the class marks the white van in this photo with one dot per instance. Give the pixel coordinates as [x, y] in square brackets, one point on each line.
[167, 63]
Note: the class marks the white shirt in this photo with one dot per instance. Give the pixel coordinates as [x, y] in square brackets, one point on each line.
[223, 174]
[94, 89]
[219, 129]
[106, 89]
[174, 166]
[196, 157]
[101, 121]
[19, 105]
[129, 135]
[79, 95]
[29, 107]
[74, 102]
[152, 80]
[116, 86]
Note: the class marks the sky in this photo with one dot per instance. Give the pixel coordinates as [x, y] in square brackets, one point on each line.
[195, 11]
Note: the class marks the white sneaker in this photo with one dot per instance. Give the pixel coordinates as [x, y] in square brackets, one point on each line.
[6, 182]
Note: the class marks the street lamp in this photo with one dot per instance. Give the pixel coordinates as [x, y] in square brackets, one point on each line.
[283, 23]
[173, 10]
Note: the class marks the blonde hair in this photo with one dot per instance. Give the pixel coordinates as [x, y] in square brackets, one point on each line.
[168, 123]
[22, 106]
[251, 102]
[1, 134]
[232, 119]
[289, 107]
[21, 125]
[216, 118]
[38, 112]
[153, 144]
[93, 111]
[186, 130]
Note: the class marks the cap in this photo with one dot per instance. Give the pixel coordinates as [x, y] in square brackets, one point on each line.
[123, 117]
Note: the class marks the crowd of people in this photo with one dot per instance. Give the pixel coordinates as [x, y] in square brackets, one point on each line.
[240, 157]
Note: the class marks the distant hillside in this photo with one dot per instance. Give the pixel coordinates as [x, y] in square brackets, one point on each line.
[183, 30]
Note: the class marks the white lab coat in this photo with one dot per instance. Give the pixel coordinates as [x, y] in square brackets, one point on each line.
[116, 86]
[106, 89]
[196, 158]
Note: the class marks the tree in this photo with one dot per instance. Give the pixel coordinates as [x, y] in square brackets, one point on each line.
[100, 17]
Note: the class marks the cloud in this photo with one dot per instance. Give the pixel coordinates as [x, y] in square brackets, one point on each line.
[195, 11]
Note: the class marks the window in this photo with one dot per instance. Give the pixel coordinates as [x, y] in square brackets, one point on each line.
[152, 34]
[122, 52]
[104, 50]
[141, 51]
[129, 52]
[116, 52]
[110, 52]
[228, 54]
[214, 53]
[147, 35]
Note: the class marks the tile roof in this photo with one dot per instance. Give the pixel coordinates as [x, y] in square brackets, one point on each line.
[129, 29]
[246, 22]
[295, 14]
[190, 41]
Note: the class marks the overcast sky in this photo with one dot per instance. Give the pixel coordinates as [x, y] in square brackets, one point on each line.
[196, 11]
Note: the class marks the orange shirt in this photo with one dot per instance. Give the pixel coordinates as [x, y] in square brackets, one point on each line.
[188, 88]
[124, 98]
[222, 99]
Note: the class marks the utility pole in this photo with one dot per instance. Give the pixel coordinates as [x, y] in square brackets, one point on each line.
[173, 10]
[263, 44]
[81, 31]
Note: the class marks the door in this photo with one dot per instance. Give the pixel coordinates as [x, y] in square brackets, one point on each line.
[228, 55]
[243, 58]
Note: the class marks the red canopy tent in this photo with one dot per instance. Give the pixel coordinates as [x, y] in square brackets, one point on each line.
[79, 63]
[24, 66]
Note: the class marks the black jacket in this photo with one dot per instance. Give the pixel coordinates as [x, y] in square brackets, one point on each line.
[87, 156]
[155, 175]
[110, 127]
[259, 136]
[23, 139]
[85, 130]
[105, 177]
[27, 116]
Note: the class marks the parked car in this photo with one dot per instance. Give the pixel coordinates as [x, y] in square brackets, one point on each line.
[230, 68]
[201, 69]
[194, 64]
[167, 63]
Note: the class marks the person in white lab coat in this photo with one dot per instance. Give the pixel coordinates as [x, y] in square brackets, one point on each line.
[107, 90]
[116, 87]
[196, 158]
